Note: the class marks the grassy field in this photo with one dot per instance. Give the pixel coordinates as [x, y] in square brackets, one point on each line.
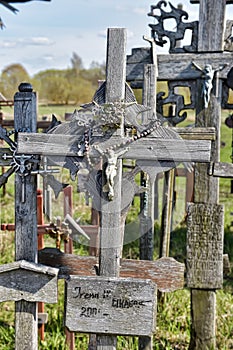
[45, 110]
[173, 320]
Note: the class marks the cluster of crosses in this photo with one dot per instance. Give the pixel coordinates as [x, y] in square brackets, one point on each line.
[111, 128]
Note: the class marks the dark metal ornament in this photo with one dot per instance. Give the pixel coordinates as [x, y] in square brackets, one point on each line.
[159, 33]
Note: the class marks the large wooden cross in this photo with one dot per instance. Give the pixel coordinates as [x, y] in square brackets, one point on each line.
[107, 128]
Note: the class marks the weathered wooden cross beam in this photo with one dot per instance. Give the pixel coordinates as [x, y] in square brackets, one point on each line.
[166, 273]
[175, 66]
[152, 148]
[220, 169]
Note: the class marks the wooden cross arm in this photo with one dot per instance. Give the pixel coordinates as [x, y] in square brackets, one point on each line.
[150, 148]
[196, 133]
[221, 170]
[170, 150]
[167, 273]
[177, 66]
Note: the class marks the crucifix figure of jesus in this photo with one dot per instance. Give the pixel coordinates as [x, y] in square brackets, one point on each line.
[208, 75]
[111, 168]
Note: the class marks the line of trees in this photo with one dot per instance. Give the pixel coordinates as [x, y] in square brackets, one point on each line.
[74, 85]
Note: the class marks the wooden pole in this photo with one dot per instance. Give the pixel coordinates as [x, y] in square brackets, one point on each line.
[3, 169]
[68, 248]
[211, 25]
[147, 198]
[189, 187]
[110, 225]
[40, 238]
[68, 209]
[166, 213]
[25, 114]
[206, 188]
[94, 238]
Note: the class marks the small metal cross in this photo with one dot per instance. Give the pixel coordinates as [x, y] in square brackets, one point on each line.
[25, 165]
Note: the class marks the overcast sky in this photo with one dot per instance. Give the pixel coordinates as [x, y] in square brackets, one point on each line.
[44, 35]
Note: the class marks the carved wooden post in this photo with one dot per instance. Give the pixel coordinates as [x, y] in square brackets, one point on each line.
[147, 198]
[40, 241]
[204, 269]
[25, 115]
[167, 212]
[68, 248]
[68, 209]
[110, 230]
[211, 27]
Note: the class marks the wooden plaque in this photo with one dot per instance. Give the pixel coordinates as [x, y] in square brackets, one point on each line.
[23, 280]
[104, 305]
[205, 246]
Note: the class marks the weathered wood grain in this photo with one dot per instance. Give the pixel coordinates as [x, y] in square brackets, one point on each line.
[111, 230]
[25, 116]
[167, 207]
[203, 315]
[205, 224]
[220, 169]
[150, 148]
[176, 66]
[195, 133]
[108, 305]
[149, 91]
[45, 144]
[206, 188]
[147, 198]
[211, 25]
[146, 241]
[167, 273]
[23, 280]
[169, 149]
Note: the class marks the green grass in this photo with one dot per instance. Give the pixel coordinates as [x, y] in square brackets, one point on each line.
[45, 110]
